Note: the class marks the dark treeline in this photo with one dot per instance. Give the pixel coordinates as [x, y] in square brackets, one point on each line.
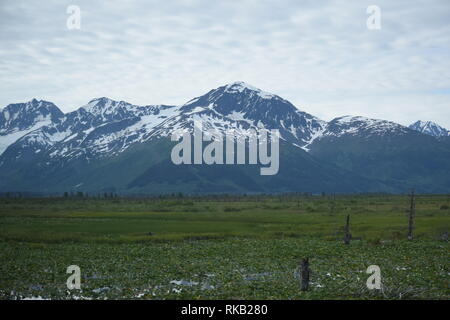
[225, 197]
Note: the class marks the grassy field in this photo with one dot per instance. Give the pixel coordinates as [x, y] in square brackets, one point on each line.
[227, 248]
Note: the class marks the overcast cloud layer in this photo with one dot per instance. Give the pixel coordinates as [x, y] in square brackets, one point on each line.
[317, 54]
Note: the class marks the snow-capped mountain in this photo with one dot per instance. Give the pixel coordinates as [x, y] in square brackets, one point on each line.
[356, 126]
[352, 125]
[16, 120]
[101, 127]
[240, 106]
[431, 128]
[104, 127]
[384, 151]
[116, 145]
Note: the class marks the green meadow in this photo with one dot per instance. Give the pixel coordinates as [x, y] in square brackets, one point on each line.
[223, 247]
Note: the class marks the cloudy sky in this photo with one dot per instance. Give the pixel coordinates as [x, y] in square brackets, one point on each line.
[319, 55]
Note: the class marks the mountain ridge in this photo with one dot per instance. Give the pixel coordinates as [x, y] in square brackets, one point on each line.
[81, 142]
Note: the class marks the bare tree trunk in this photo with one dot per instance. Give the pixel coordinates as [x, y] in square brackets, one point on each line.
[412, 215]
[348, 235]
[333, 204]
[304, 274]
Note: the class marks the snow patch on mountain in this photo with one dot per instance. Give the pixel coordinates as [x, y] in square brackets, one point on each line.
[240, 86]
[315, 135]
[9, 138]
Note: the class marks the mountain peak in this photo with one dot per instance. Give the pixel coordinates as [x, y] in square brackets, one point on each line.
[18, 119]
[38, 103]
[431, 128]
[101, 100]
[100, 105]
[33, 105]
[240, 86]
